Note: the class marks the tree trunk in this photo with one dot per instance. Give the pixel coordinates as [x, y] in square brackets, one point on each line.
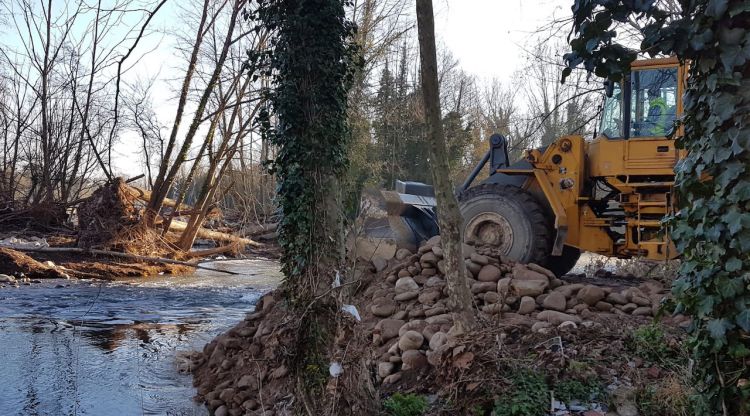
[449, 217]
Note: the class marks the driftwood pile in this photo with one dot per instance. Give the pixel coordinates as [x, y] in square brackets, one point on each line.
[111, 219]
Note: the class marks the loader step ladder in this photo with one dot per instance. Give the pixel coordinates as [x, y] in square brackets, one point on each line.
[643, 203]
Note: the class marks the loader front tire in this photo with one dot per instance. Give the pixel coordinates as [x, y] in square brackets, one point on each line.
[507, 217]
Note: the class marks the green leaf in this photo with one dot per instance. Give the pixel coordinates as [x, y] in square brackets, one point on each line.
[718, 328]
[733, 264]
[738, 8]
[738, 351]
[716, 8]
[743, 320]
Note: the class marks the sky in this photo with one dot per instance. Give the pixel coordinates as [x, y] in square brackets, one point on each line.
[488, 37]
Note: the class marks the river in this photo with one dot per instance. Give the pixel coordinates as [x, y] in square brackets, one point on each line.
[84, 347]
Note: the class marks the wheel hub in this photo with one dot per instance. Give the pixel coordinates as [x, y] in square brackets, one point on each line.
[490, 228]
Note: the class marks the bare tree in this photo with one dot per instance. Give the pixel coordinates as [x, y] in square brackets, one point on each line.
[58, 65]
[449, 217]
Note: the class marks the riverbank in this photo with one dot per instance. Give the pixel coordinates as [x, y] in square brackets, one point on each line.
[547, 345]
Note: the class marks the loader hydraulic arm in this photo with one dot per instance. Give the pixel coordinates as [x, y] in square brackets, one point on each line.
[497, 156]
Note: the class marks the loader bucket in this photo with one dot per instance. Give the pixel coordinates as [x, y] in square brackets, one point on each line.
[392, 220]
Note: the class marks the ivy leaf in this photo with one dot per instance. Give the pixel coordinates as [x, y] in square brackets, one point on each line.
[706, 305]
[716, 8]
[738, 351]
[718, 328]
[743, 320]
[739, 8]
[733, 264]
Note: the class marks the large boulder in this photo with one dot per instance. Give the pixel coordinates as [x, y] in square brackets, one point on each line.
[388, 328]
[591, 294]
[385, 369]
[528, 287]
[503, 286]
[556, 318]
[527, 305]
[479, 259]
[406, 284]
[402, 254]
[411, 340]
[522, 272]
[617, 298]
[383, 307]
[413, 360]
[429, 258]
[379, 263]
[414, 325]
[437, 340]
[528, 282]
[555, 301]
[481, 287]
[489, 273]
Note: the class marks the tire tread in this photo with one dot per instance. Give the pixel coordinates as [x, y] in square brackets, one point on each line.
[542, 228]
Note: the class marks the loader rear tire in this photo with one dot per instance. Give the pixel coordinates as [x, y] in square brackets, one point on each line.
[507, 217]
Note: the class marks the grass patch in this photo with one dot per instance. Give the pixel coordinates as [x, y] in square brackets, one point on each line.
[567, 391]
[671, 397]
[405, 405]
[650, 343]
[528, 395]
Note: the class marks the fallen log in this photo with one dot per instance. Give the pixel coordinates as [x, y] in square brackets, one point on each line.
[214, 235]
[260, 229]
[145, 195]
[123, 255]
[179, 226]
[211, 251]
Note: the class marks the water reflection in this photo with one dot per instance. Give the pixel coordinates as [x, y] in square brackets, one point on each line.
[108, 348]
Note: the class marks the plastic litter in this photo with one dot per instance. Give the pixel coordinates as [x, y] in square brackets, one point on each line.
[337, 281]
[352, 310]
[335, 369]
[31, 242]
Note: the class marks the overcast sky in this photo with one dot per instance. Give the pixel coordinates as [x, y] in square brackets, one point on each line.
[487, 37]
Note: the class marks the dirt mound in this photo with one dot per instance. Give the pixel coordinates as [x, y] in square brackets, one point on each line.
[528, 321]
[15, 263]
[248, 370]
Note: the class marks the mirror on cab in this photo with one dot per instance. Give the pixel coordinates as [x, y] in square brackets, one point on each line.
[609, 88]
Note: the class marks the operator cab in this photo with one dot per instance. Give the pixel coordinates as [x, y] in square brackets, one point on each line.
[650, 95]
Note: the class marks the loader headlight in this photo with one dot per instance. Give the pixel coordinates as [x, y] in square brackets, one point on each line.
[566, 183]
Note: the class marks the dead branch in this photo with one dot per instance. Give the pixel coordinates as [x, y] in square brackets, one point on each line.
[123, 255]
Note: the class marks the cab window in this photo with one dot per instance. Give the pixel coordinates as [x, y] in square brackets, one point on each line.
[611, 125]
[653, 102]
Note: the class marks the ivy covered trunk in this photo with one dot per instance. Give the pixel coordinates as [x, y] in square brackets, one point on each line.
[449, 216]
[311, 66]
[712, 226]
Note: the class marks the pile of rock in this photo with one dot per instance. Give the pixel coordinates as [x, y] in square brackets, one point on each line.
[240, 368]
[414, 323]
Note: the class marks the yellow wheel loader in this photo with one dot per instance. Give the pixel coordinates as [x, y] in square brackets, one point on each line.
[608, 195]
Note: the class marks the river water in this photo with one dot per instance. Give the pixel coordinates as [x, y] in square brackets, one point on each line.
[102, 348]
